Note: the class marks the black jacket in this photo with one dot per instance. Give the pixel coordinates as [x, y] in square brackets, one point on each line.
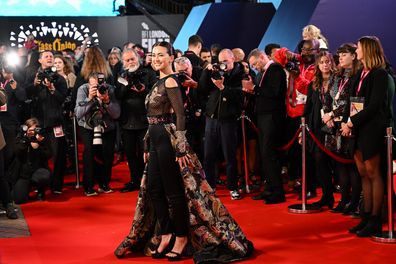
[370, 123]
[15, 99]
[225, 104]
[47, 106]
[133, 109]
[270, 96]
[27, 159]
[195, 60]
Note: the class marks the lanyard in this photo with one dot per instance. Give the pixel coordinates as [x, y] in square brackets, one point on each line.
[342, 85]
[362, 76]
[268, 65]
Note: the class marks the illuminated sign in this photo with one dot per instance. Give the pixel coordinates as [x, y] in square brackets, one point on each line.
[54, 35]
[150, 37]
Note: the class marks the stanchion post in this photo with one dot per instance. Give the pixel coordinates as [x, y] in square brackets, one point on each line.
[245, 163]
[303, 208]
[303, 159]
[387, 236]
[76, 151]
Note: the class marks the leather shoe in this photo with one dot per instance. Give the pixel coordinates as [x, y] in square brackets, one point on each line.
[129, 187]
[262, 195]
[275, 199]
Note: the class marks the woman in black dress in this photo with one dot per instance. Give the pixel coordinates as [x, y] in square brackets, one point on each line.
[368, 120]
[319, 103]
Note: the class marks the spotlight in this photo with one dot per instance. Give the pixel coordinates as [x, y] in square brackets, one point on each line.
[12, 59]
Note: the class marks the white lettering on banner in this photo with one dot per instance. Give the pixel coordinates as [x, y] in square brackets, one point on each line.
[54, 36]
[150, 37]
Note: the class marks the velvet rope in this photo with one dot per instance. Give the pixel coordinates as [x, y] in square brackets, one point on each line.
[329, 153]
[290, 143]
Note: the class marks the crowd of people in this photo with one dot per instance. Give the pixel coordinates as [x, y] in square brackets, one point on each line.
[170, 110]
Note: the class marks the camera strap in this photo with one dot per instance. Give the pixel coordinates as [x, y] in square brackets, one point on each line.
[3, 85]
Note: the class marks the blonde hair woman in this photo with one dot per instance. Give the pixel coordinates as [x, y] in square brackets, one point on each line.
[313, 32]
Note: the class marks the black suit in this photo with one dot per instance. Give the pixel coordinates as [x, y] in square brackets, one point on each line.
[270, 108]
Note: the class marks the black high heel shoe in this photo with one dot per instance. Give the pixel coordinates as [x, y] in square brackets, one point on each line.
[325, 201]
[167, 249]
[178, 256]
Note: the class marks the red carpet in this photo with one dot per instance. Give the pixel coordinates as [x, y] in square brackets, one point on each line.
[72, 229]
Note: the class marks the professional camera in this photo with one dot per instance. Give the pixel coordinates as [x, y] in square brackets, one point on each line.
[293, 65]
[97, 136]
[95, 121]
[135, 78]
[103, 87]
[182, 76]
[218, 71]
[50, 74]
[37, 131]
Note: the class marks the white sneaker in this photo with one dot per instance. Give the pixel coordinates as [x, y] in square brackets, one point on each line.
[235, 195]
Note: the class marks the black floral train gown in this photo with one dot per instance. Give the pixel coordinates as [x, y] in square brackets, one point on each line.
[214, 236]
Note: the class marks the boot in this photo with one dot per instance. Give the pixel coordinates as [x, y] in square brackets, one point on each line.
[10, 211]
[362, 224]
[373, 227]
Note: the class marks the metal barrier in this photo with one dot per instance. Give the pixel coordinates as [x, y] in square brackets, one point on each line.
[387, 236]
[74, 120]
[303, 208]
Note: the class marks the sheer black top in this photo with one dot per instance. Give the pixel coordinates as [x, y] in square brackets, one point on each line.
[164, 101]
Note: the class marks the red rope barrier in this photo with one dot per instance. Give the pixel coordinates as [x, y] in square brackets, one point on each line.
[329, 153]
[290, 143]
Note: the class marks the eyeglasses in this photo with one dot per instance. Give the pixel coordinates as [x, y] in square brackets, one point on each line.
[307, 50]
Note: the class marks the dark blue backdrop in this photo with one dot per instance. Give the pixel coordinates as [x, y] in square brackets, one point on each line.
[235, 24]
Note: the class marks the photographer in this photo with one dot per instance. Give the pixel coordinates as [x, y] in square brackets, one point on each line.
[269, 88]
[192, 101]
[48, 91]
[96, 109]
[301, 69]
[31, 164]
[223, 85]
[10, 112]
[131, 91]
[5, 196]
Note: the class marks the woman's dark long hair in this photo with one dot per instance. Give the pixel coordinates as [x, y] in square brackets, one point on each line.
[356, 65]
[318, 80]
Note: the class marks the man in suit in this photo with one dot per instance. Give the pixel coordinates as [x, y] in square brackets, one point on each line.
[269, 87]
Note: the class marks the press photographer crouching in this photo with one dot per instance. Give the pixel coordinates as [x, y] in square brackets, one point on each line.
[131, 90]
[30, 167]
[96, 111]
